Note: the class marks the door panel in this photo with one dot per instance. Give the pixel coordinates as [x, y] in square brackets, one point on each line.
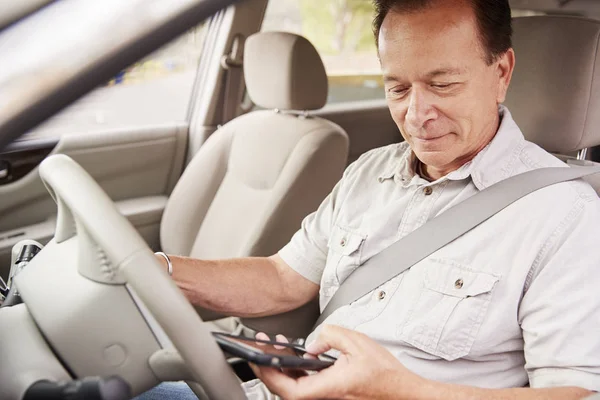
[368, 124]
[18, 161]
[137, 167]
[131, 134]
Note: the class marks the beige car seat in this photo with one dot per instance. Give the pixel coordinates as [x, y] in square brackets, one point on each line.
[250, 185]
[555, 92]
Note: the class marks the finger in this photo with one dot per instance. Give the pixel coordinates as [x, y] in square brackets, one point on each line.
[318, 386]
[282, 339]
[294, 373]
[277, 382]
[256, 369]
[261, 336]
[335, 337]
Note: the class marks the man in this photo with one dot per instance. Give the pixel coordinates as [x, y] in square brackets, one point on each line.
[509, 304]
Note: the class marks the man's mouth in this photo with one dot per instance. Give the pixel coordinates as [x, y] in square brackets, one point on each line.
[428, 139]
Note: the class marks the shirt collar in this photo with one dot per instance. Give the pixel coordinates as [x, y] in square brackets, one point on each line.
[497, 160]
[490, 165]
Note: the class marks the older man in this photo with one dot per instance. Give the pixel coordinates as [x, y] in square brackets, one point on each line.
[507, 305]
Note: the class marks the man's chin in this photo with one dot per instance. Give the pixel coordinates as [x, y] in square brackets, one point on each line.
[434, 159]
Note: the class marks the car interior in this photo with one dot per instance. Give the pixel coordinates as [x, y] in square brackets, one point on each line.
[216, 145]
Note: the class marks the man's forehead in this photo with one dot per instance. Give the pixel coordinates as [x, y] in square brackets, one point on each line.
[440, 15]
[430, 42]
[427, 26]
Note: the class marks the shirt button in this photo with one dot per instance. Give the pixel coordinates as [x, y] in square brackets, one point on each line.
[380, 179]
[381, 295]
[343, 242]
[459, 283]
[428, 190]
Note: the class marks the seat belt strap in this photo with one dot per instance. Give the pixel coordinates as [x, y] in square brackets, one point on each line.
[443, 229]
[232, 63]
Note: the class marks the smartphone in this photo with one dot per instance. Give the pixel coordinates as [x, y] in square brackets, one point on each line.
[264, 353]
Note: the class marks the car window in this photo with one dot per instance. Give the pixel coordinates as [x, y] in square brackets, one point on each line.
[155, 90]
[525, 13]
[178, 57]
[341, 32]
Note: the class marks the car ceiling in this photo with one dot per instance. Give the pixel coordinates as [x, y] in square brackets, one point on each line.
[589, 8]
[11, 11]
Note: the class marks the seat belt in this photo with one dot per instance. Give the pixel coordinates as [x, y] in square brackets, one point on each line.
[443, 229]
[232, 64]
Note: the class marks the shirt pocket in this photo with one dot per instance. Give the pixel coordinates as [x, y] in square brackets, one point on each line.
[449, 309]
[345, 252]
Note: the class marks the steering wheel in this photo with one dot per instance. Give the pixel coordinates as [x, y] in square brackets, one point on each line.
[112, 257]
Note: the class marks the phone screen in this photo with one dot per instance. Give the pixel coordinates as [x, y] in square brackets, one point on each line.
[270, 347]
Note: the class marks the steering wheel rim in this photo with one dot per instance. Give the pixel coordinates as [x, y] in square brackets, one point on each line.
[84, 209]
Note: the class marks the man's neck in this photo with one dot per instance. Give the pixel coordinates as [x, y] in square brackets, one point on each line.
[419, 170]
[432, 173]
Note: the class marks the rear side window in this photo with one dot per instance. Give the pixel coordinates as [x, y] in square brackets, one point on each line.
[153, 91]
[180, 57]
[341, 32]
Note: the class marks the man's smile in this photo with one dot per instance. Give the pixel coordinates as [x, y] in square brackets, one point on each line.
[429, 139]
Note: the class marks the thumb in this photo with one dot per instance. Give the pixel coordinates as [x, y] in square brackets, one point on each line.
[334, 337]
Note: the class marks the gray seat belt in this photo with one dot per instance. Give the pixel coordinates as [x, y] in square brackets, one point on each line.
[443, 229]
[233, 65]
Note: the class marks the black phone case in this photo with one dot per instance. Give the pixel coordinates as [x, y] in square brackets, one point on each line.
[269, 360]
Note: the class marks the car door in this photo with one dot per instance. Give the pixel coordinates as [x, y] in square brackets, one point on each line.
[133, 135]
[130, 135]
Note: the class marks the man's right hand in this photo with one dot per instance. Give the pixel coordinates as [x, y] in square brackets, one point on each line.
[364, 369]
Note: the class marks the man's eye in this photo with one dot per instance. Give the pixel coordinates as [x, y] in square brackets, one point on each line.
[442, 85]
[398, 91]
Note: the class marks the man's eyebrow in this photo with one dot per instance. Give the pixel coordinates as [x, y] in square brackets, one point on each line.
[390, 78]
[444, 71]
[430, 75]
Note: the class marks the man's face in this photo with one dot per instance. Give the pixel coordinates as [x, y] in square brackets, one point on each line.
[441, 92]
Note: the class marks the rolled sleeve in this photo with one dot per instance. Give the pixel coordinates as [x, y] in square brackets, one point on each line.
[306, 253]
[555, 377]
[304, 257]
[560, 310]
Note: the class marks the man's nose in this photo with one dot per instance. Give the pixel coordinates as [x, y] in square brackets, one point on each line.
[420, 110]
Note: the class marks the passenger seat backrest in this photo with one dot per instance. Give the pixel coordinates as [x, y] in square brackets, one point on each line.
[554, 95]
[250, 185]
[274, 169]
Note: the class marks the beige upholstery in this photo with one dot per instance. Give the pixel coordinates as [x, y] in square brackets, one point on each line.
[284, 71]
[555, 92]
[250, 185]
[248, 188]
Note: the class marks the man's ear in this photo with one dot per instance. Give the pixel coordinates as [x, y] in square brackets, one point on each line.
[506, 66]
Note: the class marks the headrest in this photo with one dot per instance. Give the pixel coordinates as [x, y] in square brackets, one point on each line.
[284, 71]
[555, 91]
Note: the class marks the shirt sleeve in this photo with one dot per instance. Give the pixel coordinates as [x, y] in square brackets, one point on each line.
[306, 253]
[560, 310]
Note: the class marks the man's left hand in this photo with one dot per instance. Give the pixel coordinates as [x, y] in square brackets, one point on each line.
[364, 369]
